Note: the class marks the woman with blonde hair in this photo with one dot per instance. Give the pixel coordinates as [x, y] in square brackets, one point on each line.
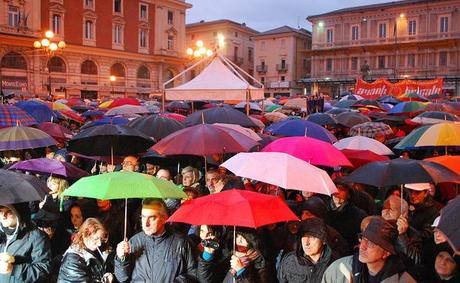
[191, 177]
[51, 202]
[84, 261]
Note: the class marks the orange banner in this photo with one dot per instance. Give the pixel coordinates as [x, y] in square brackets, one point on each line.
[383, 87]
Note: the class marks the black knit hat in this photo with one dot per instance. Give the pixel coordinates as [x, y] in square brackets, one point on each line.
[313, 227]
[382, 233]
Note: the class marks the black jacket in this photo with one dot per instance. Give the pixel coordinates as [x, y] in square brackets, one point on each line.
[165, 258]
[214, 270]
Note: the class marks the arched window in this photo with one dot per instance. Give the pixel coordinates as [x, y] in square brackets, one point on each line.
[143, 73]
[14, 60]
[169, 75]
[56, 64]
[117, 70]
[88, 67]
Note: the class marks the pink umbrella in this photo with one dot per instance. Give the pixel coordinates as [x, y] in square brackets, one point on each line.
[312, 150]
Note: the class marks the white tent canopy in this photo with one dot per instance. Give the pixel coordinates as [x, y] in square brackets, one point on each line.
[218, 81]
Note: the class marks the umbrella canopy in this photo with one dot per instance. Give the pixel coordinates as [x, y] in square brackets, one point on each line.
[311, 150]
[93, 113]
[156, 126]
[443, 107]
[107, 140]
[442, 134]
[177, 105]
[252, 105]
[349, 119]
[47, 166]
[58, 132]
[296, 103]
[14, 138]
[245, 131]
[256, 121]
[407, 107]
[11, 116]
[105, 121]
[412, 97]
[351, 97]
[434, 117]
[116, 185]
[402, 171]
[175, 116]
[16, 187]
[225, 114]
[361, 157]
[388, 99]
[127, 110]
[363, 143]
[370, 129]
[368, 103]
[448, 223]
[299, 127]
[344, 104]
[272, 107]
[124, 101]
[234, 208]
[204, 139]
[337, 111]
[450, 161]
[39, 111]
[275, 116]
[281, 169]
[322, 119]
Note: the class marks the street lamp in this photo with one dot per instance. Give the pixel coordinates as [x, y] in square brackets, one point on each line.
[199, 51]
[50, 47]
[112, 80]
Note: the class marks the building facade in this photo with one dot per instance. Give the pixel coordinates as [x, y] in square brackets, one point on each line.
[281, 60]
[139, 42]
[409, 39]
[238, 42]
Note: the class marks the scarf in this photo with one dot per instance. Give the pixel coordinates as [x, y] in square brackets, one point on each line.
[245, 259]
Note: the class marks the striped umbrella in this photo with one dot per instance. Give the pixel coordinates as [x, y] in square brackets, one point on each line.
[370, 129]
[14, 138]
[11, 116]
[412, 97]
[407, 107]
[442, 134]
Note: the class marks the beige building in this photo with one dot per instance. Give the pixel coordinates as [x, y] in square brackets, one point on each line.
[414, 39]
[281, 60]
[140, 42]
[238, 46]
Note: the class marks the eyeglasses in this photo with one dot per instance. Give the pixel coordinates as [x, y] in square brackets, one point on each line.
[369, 243]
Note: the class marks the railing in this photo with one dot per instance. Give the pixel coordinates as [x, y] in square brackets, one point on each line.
[285, 84]
[261, 68]
[281, 67]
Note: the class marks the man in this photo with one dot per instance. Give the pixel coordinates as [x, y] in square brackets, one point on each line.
[151, 169]
[375, 261]
[164, 174]
[155, 254]
[130, 163]
[25, 247]
[212, 181]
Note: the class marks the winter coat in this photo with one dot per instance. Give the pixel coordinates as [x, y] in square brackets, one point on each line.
[214, 269]
[165, 258]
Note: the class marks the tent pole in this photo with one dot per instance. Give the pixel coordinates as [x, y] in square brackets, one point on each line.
[163, 98]
[247, 102]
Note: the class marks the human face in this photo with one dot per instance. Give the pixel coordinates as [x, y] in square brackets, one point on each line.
[53, 188]
[211, 180]
[444, 265]
[206, 233]
[8, 218]
[153, 223]
[94, 241]
[311, 245]
[242, 244]
[340, 197]
[439, 237]
[187, 179]
[390, 213]
[370, 252]
[151, 169]
[417, 197]
[76, 217]
[49, 231]
[129, 164]
[164, 175]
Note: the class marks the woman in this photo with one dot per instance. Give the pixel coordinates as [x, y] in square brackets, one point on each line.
[52, 201]
[83, 261]
[446, 265]
[191, 178]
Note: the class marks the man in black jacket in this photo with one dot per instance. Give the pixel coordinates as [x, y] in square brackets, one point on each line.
[155, 254]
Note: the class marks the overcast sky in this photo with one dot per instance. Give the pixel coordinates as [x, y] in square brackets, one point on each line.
[263, 15]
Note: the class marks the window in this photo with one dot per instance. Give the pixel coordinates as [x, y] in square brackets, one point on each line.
[411, 60]
[117, 70]
[354, 33]
[382, 30]
[118, 34]
[381, 62]
[142, 38]
[235, 52]
[262, 80]
[117, 6]
[354, 63]
[170, 17]
[329, 65]
[56, 64]
[143, 73]
[170, 42]
[283, 63]
[143, 12]
[13, 16]
[89, 68]
[89, 4]
[236, 34]
[13, 60]
[444, 24]
[262, 63]
[56, 24]
[443, 59]
[282, 78]
[250, 54]
[329, 36]
[412, 27]
[89, 30]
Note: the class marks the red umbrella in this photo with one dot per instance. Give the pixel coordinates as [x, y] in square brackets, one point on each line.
[234, 208]
[204, 139]
[124, 101]
[175, 116]
[58, 132]
[361, 157]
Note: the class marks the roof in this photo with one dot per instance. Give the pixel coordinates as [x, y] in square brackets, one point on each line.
[371, 7]
[285, 29]
[217, 22]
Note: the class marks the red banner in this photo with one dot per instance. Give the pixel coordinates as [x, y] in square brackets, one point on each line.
[383, 87]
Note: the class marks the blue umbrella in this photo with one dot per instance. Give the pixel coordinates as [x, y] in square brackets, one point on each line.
[39, 111]
[300, 127]
[92, 113]
[107, 120]
[321, 119]
[226, 114]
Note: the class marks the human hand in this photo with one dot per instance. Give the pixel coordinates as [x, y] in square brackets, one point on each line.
[122, 249]
[402, 224]
[235, 263]
[107, 278]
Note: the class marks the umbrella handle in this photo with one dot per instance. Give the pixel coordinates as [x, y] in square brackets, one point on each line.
[126, 218]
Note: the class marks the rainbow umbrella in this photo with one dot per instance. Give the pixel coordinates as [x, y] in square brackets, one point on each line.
[442, 134]
[105, 104]
[412, 97]
[407, 107]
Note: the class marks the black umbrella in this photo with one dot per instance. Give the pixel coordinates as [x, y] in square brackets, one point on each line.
[402, 171]
[16, 187]
[349, 119]
[177, 105]
[448, 224]
[110, 140]
[337, 110]
[224, 114]
[322, 119]
[156, 126]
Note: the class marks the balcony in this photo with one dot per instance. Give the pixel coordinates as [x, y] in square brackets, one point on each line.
[282, 68]
[238, 60]
[261, 68]
[278, 84]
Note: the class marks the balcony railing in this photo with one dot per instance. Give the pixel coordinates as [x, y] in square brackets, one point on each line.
[285, 84]
[282, 67]
[261, 68]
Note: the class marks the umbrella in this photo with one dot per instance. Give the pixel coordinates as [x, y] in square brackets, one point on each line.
[39, 111]
[105, 121]
[245, 131]
[407, 107]
[434, 117]
[175, 116]
[56, 131]
[11, 116]
[156, 126]
[443, 107]
[14, 138]
[204, 139]
[388, 99]
[281, 169]
[402, 171]
[93, 113]
[234, 208]
[176, 105]
[311, 150]
[361, 157]
[296, 103]
[368, 103]
[272, 107]
[275, 116]
[351, 97]
[16, 188]
[322, 119]
[110, 140]
[363, 143]
[344, 104]
[127, 110]
[47, 166]
[224, 114]
[80, 108]
[256, 121]
[442, 134]
[448, 223]
[336, 111]
[412, 97]
[349, 119]
[450, 161]
[124, 101]
[252, 106]
[370, 129]
[300, 127]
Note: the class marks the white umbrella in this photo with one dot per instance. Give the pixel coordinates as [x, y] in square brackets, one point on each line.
[245, 131]
[127, 110]
[363, 143]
